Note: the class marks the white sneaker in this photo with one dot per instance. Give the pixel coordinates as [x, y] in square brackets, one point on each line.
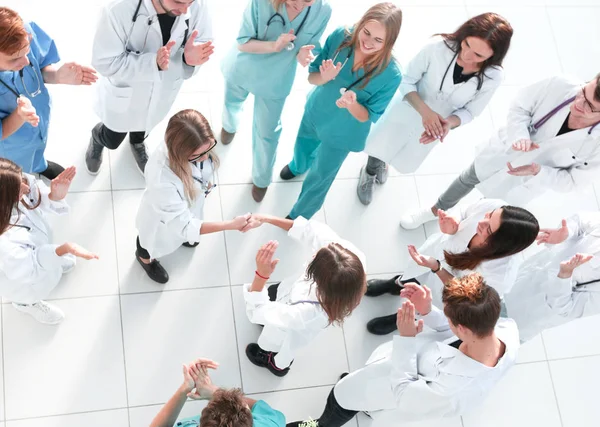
[416, 219]
[42, 312]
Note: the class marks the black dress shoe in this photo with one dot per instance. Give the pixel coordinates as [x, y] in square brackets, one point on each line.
[303, 423]
[377, 287]
[52, 171]
[272, 291]
[264, 359]
[190, 245]
[154, 270]
[286, 174]
[383, 325]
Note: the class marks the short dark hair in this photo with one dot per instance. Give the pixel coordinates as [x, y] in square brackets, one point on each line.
[470, 302]
[226, 409]
[340, 278]
[597, 90]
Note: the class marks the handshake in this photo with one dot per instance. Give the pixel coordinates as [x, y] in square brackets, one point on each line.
[247, 222]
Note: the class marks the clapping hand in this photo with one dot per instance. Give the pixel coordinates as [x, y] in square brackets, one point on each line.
[73, 73]
[305, 55]
[163, 56]
[59, 186]
[27, 112]
[567, 267]
[196, 380]
[525, 145]
[347, 99]
[197, 53]
[527, 170]
[553, 236]
[448, 224]
[419, 296]
[265, 264]
[422, 260]
[405, 322]
[328, 70]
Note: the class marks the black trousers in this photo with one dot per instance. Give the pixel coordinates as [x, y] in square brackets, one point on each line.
[111, 139]
[141, 252]
[333, 414]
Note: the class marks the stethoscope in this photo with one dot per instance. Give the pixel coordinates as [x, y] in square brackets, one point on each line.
[440, 92]
[186, 423]
[150, 22]
[207, 187]
[343, 90]
[535, 127]
[21, 74]
[277, 15]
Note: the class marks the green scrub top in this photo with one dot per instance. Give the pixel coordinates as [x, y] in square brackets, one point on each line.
[271, 75]
[262, 416]
[336, 126]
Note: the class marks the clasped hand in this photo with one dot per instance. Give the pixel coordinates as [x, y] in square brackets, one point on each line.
[197, 383]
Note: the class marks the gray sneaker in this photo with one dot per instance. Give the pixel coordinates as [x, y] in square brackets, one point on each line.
[93, 155]
[140, 155]
[366, 183]
[382, 174]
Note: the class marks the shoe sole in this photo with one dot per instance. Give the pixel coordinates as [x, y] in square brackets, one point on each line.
[90, 172]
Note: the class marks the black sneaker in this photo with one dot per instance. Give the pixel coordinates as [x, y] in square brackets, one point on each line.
[140, 155]
[305, 423]
[154, 270]
[264, 359]
[286, 174]
[190, 245]
[383, 325]
[52, 171]
[93, 154]
[377, 287]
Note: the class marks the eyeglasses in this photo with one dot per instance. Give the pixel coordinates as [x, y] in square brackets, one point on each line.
[587, 105]
[193, 159]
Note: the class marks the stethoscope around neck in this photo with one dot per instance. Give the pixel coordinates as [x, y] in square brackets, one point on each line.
[533, 128]
[355, 83]
[453, 61]
[21, 72]
[279, 16]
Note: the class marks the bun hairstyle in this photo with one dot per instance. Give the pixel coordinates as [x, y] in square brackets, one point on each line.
[470, 302]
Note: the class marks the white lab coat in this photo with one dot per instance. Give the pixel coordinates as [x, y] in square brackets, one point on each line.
[568, 161]
[165, 218]
[133, 94]
[29, 266]
[289, 325]
[395, 137]
[500, 274]
[540, 299]
[422, 377]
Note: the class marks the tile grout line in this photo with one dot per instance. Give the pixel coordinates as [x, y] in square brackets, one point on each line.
[554, 392]
[547, 14]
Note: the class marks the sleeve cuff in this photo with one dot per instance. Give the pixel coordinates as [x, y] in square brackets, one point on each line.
[406, 88]
[47, 258]
[255, 298]
[59, 207]
[297, 230]
[192, 233]
[404, 348]
[464, 116]
[533, 181]
[560, 286]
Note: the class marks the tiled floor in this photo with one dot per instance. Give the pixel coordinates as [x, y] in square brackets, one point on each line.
[118, 355]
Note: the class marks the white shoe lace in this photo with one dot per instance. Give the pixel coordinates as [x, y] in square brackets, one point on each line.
[45, 308]
[309, 423]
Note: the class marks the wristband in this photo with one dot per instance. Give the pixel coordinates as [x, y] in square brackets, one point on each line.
[260, 275]
[439, 267]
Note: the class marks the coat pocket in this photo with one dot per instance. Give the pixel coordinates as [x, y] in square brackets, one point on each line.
[117, 99]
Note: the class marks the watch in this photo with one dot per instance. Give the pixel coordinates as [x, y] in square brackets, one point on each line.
[438, 268]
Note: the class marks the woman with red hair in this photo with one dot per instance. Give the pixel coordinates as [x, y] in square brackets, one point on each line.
[27, 58]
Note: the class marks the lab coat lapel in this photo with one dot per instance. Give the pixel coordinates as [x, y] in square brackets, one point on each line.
[179, 28]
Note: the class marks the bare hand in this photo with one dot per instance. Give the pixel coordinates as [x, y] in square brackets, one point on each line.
[305, 56]
[428, 139]
[73, 73]
[283, 40]
[198, 372]
[328, 70]
[197, 53]
[525, 145]
[255, 221]
[265, 264]
[59, 187]
[420, 296]
[347, 99]
[76, 250]
[567, 267]
[433, 124]
[27, 112]
[448, 224]
[25, 189]
[163, 56]
[405, 321]
[527, 170]
[422, 260]
[553, 236]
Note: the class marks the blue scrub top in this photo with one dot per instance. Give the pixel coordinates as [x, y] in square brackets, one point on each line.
[336, 126]
[262, 416]
[20, 146]
[271, 75]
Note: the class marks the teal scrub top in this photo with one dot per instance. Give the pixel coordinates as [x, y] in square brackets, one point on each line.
[336, 126]
[262, 416]
[271, 75]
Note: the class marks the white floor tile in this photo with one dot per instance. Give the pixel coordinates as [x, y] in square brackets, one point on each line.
[115, 418]
[202, 266]
[532, 351]
[365, 421]
[523, 397]
[142, 416]
[375, 229]
[163, 331]
[575, 382]
[318, 364]
[580, 337]
[242, 248]
[78, 364]
[93, 210]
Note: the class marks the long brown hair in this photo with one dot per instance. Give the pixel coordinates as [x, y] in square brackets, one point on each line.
[492, 28]
[340, 278]
[390, 16]
[518, 230]
[597, 88]
[11, 177]
[187, 131]
[469, 302]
